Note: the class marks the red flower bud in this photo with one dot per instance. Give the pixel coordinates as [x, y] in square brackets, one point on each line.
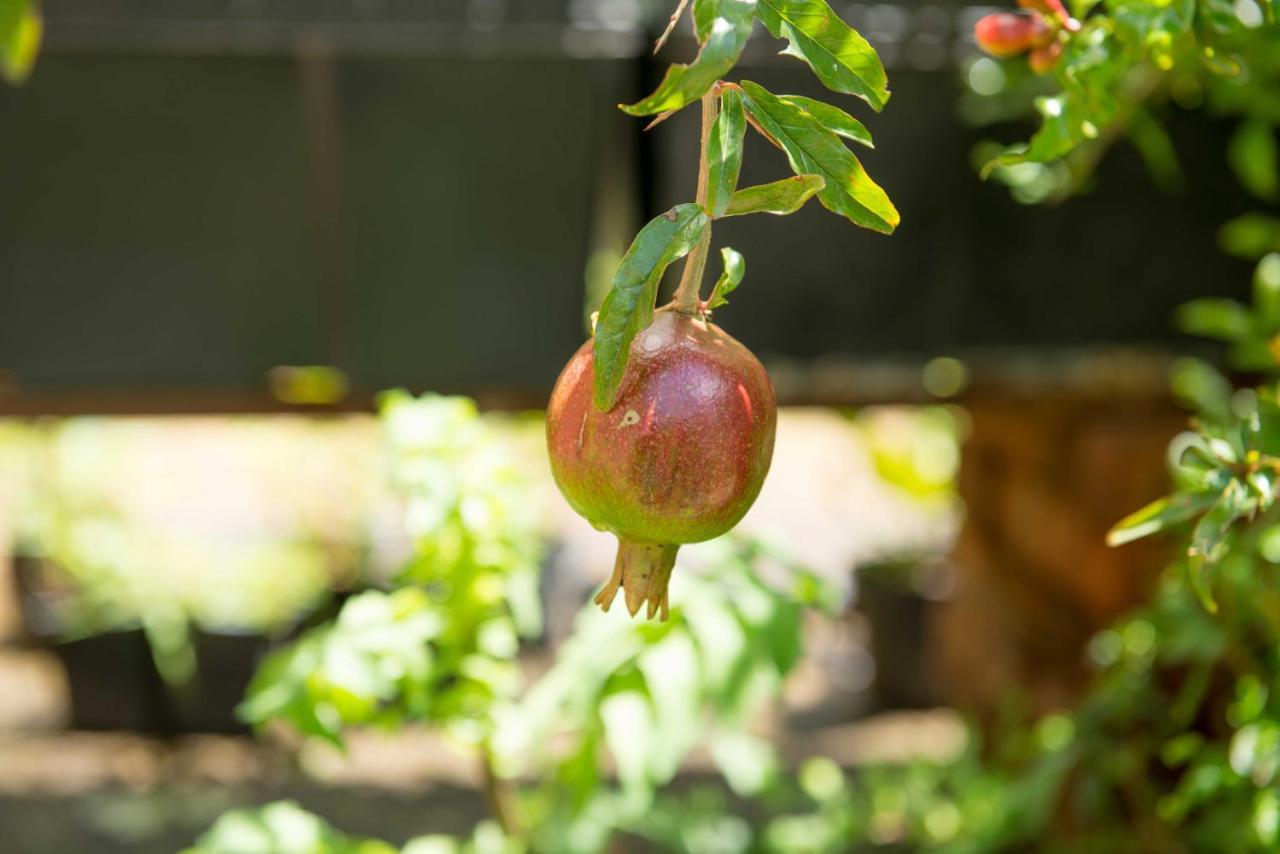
[1007, 34]
[1043, 59]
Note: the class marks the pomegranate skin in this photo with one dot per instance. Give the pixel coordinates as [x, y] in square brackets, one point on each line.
[679, 458]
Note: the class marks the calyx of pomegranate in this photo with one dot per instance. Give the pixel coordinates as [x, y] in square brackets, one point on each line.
[679, 457]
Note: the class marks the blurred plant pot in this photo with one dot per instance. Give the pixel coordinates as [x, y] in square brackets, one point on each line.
[896, 597]
[225, 662]
[112, 682]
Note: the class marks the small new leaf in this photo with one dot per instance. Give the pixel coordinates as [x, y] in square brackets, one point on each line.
[684, 84]
[815, 150]
[724, 152]
[838, 55]
[833, 118]
[628, 308]
[779, 197]
[735, 267]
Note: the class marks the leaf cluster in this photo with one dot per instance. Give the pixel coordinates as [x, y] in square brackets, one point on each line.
[1118, 75]
[810, 133]
[441, 647]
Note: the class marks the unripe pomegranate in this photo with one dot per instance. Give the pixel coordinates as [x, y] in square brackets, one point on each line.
[1006, 34]
[680, 456]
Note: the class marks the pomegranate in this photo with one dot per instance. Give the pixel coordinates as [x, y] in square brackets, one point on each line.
[678, 458]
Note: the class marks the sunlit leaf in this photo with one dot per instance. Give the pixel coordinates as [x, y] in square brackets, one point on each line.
[748, 763]
[670, 668]
[840, 57]
[705, 13]
[684, 84]
[833, 118]
[778, 197]
[1159, 515]
[814, 150]
[628, 308]
[629, 733]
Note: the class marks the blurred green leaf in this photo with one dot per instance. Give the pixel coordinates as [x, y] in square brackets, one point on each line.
[673, 681]
[814, 150]
[778, 197]
[629, 307]
[1214, 317]
[1250, 236]
[1209, 539]
[629, 732]
[1254, 158]
[21, 30]
[840, 57]
[748, 763]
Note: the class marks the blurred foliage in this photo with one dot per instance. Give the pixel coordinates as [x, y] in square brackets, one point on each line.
[1118, 77]
[917, 448]
[649, 693]
[1176, 746]
[442, 648]
[108, 510]
[605, 727]
[280, 827]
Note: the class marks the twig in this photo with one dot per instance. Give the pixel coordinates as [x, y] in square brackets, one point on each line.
[501, 797]
[671, 25]
[687, 297]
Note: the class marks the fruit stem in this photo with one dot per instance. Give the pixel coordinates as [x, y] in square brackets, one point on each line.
[642, 571]
[688, 292]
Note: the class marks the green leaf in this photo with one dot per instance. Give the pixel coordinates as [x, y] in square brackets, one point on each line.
[1209, 539]
[705, 13]
[684, 84]
[724, 152]
[1253, 157]
[628, 308]
[1250, 236]
[735, 267]
[1266, 289]
[814, 150]
[833, 118]
[1159, 515]
[779, 197]
[838, 55]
